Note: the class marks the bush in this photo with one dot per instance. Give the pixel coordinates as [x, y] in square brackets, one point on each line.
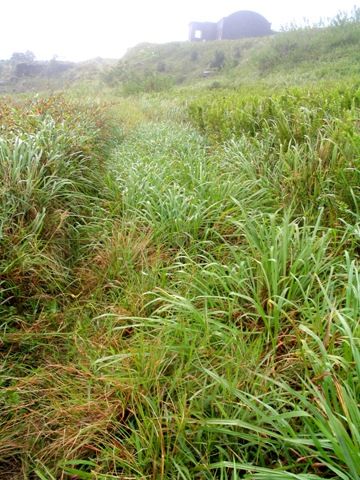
[194, 55]
[161, 67]
[219, 60]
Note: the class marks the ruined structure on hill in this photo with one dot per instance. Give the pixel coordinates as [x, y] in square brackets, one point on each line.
[237, 25]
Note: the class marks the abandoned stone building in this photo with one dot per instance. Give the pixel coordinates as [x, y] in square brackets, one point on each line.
[237, 25]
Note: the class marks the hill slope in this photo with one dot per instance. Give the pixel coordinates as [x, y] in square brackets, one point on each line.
[288, 58]
[35, 76]
[297, 56]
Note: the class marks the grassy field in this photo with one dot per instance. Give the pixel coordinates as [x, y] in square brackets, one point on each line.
[180, 287]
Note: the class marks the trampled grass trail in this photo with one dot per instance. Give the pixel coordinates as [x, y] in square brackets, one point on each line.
[210, 329]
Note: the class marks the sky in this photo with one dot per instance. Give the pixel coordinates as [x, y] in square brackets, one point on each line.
[83, 29]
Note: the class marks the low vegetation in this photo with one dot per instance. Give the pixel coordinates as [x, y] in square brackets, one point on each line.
[23, 73]
[180, 288]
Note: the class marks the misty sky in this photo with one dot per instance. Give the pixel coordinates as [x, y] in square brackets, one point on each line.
[83, 29]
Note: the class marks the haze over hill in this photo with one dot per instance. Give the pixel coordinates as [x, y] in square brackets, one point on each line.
[296, 56]
[83, 29]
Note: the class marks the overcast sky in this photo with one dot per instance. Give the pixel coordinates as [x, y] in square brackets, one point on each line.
[83, 29]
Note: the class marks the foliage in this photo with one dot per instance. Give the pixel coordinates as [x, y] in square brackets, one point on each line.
[180, 284]
[306, 45]
[18, 57]
[50, 162]
[314, 135]
[219, 60]
[132, 82]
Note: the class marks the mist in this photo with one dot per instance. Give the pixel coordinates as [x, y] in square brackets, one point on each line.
[80, 30]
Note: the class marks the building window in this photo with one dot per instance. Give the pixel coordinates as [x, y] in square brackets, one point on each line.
[198, 34]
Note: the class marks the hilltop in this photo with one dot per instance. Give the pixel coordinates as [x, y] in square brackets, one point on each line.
[292, 57]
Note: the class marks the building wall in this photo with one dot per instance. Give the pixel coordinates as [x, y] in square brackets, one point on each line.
[238, 25]
[206, 30]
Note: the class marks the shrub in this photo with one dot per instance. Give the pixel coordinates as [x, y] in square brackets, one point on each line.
[219, 60]
[194, 55]
[161, 67]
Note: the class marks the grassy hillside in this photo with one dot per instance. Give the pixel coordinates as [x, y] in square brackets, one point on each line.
[293, 57]
[179, 275]
[51, 75]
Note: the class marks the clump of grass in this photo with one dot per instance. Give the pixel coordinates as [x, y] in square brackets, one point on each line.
[50, 171]
[307, 144]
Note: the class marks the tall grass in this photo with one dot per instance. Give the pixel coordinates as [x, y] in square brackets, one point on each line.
[50, 171]
[187, 307]
[300, 46]
[306, 142]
